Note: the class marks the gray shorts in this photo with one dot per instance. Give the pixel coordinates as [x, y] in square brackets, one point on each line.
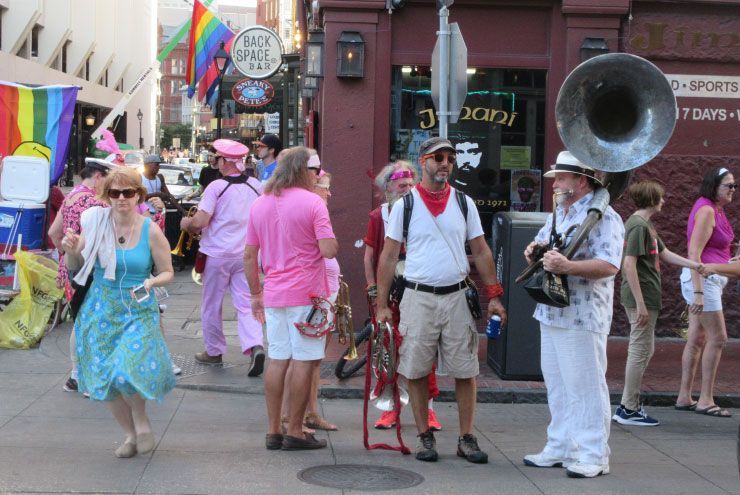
[431, 324]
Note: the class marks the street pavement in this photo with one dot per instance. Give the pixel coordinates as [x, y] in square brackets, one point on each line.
[210, 433]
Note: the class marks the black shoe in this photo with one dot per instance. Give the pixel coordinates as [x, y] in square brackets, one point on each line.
[257, 365]
[426, 447]
[70, 385]
[274, 441]
[467, 447]
[309, 442]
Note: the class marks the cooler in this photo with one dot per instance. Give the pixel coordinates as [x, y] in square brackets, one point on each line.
[30, 223]
[24, 187]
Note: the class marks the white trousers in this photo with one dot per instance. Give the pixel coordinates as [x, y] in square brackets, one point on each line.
[574, 367]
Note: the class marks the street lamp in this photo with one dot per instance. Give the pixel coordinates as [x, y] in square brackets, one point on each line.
[140, 116]
[221, 58]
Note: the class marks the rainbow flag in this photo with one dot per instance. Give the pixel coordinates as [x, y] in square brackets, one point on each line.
[36, 122]
[206, 34]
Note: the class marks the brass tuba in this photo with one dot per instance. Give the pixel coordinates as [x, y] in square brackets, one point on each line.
[343, 321]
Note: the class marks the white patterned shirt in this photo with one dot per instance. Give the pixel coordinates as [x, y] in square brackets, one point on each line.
[591, 300]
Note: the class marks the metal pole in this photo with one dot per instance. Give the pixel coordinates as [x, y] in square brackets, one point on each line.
[443, 113]
[141, 139]
[218, 107]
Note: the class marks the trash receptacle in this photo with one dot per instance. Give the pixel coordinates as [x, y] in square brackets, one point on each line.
[515, 355]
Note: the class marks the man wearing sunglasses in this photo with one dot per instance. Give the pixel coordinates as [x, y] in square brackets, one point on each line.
[268, 148]
[435, 315]
[222, 217]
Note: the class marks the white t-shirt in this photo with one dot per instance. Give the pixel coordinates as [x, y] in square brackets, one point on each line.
[431, 260]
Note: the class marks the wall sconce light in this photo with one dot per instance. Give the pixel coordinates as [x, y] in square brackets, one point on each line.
[90, 120]
[315, 54]
[593, 47]
[350, 55]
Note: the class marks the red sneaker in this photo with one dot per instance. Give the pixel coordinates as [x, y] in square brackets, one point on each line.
[433, 423]
[387, 421]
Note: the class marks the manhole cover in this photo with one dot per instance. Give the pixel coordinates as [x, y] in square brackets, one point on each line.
[360, 477]
[191, 367]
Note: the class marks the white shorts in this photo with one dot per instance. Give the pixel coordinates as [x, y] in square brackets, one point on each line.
[284, 341]
[713, 286]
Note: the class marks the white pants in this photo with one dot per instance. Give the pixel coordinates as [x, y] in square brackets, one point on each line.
[574, 367]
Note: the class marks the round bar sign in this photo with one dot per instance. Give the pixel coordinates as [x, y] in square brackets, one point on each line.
[257, 52]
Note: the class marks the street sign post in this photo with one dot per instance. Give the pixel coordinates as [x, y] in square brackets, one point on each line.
[449, 71]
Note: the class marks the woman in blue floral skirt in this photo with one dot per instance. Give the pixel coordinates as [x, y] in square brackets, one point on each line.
[123, 358]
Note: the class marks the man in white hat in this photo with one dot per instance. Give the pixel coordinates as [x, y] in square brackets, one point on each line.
[573, 339]
[223, 214]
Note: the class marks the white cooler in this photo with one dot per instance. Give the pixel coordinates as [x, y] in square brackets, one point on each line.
[24, 187]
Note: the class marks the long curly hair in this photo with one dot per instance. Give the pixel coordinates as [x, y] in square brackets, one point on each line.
[383, 179]
[291, 171]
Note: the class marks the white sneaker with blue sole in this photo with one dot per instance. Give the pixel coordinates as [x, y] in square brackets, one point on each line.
[626, 417]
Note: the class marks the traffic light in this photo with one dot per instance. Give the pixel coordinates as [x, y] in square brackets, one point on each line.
[394, 4]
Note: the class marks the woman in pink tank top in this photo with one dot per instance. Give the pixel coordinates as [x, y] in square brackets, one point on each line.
[710, 237]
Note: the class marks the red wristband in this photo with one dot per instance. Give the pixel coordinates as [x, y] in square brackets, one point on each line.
[494, 291]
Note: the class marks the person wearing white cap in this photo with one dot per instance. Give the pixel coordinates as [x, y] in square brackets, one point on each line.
[222, 217]
[573, 338]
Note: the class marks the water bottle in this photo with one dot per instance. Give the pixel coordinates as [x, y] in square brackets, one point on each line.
[493, 329]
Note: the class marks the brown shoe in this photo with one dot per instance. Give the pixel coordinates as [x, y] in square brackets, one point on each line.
[309, 442]
[273, 441]
[316, 422]
[205, 358]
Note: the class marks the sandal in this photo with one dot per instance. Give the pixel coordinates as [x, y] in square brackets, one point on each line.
[284, 426]
[686, 407]
[313, 420]
[715, 411]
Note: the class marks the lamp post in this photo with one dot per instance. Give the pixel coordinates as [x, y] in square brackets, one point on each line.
[140, 116]
[221, 58]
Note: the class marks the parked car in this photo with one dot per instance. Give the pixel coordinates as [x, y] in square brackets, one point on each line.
[179, 179]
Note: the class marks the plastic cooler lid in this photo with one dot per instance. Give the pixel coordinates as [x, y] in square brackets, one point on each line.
[25, 178]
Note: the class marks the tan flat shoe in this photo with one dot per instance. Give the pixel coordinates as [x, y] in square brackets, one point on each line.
[313, 420]
[126, 450]
[145, 442]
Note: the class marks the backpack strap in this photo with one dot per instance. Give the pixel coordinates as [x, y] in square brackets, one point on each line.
[408, 206]
[463, 203]
[240, 179]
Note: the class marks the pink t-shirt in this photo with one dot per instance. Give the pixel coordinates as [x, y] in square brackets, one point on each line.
[287, 228]
[332, 273]
[224, 235]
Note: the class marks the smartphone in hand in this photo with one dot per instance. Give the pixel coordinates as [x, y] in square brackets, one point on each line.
[140, 293]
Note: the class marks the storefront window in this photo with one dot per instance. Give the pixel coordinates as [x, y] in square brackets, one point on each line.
[499, 136]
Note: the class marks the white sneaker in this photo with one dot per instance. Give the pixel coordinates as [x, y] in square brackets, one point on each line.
[583, 470]
[547, 461]
[176, 369]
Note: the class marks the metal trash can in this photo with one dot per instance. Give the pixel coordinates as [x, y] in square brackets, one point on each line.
[515, 355]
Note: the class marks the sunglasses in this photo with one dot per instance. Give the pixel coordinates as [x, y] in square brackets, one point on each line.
[315, 170]
[731, 185]
[440, 157]
[116, 193]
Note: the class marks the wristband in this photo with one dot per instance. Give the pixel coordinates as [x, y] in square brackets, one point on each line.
[259, 293]
[493, 291]
[698, 292]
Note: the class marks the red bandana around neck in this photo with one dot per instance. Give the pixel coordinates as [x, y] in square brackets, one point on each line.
[436, 202]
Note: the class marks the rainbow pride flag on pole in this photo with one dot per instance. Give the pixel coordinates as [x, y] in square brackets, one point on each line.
[206, 34]
[37, 122]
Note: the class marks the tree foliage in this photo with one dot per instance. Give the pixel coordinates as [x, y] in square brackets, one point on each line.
[169, 131]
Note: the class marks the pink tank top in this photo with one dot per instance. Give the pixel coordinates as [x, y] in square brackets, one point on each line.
[717, 249]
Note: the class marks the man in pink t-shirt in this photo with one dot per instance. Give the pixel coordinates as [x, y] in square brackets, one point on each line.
[222, 217]
[289, 228]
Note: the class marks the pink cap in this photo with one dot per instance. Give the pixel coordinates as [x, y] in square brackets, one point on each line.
[231, 150]
[314, 161]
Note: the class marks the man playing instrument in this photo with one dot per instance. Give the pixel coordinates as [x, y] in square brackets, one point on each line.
[223, 213]
[573, 338]
[435, 317]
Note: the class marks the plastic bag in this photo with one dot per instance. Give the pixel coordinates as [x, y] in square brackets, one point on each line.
[24, 320]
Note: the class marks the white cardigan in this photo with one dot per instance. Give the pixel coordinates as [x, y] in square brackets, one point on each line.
[100, 243]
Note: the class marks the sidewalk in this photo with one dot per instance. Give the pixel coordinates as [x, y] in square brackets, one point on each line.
[660, 384]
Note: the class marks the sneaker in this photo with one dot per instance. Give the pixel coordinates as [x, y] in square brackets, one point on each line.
[543, 460]
[257, 364]
[176, 369]
[625, 416]
[70, 385]
[583, 470]
[205, 358]
[434, 425]
[426, 447]
[387, 421]
[467, 447]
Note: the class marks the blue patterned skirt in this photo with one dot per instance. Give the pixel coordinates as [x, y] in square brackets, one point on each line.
[120, 348]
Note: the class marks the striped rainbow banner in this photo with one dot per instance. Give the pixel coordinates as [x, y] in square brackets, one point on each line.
[37, 122]
[206, 34]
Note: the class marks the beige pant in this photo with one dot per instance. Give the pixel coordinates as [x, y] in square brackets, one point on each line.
[641, 347]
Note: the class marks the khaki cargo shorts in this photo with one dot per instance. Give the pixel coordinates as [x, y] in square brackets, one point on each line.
[432, 323]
